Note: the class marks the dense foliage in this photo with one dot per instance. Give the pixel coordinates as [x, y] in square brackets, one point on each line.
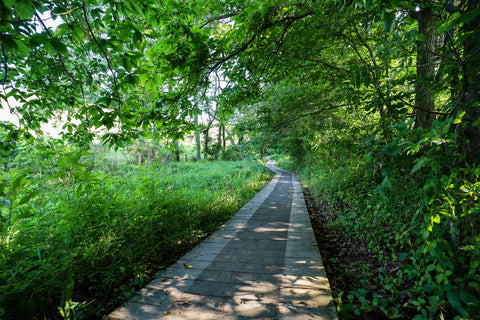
[377, 102]
[392, 146]
[81, 232]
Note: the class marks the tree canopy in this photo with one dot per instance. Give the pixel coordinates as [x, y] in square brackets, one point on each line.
[389, 89]
[130, 66]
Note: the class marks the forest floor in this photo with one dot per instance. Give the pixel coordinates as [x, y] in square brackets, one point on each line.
[341, 255]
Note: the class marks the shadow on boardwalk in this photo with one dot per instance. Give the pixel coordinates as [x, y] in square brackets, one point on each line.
[263, 264]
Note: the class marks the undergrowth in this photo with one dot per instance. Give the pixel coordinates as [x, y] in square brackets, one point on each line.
[409, 215]
[79, 235]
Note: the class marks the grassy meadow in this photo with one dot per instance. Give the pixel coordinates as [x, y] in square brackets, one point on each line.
[81, 231]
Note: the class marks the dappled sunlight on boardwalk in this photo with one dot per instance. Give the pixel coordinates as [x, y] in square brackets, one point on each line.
[262, 264]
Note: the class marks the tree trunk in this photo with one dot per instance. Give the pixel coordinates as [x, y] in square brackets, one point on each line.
[229, 137]
[205, 143]
[424, 91]
[197, 139]
[472, 83]
[449, 42]
[224, 146]
[219, 141]
[177, 151]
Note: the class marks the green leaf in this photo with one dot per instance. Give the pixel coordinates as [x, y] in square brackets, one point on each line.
[454, 300]
[421, 37]
[425, 232]
[25, 214]
[420, 164]
[459, 117]
[27, 197]
[389, 21]
[402, 256]
[8, 3]
[24, 9]
[59, 46]
[2, 187]
[15, 186]
[449, 24]
[62, 29]
[125, 33]
[22, 48]
[78, 33]
[470, 15]
[8, 42]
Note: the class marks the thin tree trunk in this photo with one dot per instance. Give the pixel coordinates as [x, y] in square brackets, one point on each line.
[230, 137]
[424, 91]
[219, 141]
[472, 83]
[197, 139]
[224, 146]
[177, 151]
[205, 143]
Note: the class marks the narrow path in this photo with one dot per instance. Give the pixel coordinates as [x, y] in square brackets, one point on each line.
[263, 264]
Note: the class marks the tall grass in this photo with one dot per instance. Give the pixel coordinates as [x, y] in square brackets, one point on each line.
[90, 236]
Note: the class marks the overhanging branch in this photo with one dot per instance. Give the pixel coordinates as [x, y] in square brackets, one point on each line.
[291, 120]
[80, 84]
[267, 25]
[90, 31]
[220, 17]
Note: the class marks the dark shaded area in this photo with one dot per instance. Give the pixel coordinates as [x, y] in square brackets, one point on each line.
[342, 257]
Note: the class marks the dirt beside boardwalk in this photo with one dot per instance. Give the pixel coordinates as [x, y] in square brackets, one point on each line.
[341, 257]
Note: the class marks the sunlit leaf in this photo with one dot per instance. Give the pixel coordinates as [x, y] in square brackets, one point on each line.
[420, 164]
[27, 197]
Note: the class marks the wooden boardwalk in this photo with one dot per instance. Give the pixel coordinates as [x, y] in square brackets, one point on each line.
[263, 264]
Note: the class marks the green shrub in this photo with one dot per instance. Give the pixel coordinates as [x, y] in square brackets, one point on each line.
[89, 235]
[411, 204]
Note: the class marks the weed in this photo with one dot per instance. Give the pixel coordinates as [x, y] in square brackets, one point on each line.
[94, 234]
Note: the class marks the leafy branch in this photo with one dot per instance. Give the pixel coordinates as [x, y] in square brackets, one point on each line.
[220, 17]
[68, 12]
[60, 58]
[265, 26]
[94, 38]
[292, 120]
[11, 198]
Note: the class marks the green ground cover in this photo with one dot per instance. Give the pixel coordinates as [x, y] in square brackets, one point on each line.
[398, 246]
[80, 233]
